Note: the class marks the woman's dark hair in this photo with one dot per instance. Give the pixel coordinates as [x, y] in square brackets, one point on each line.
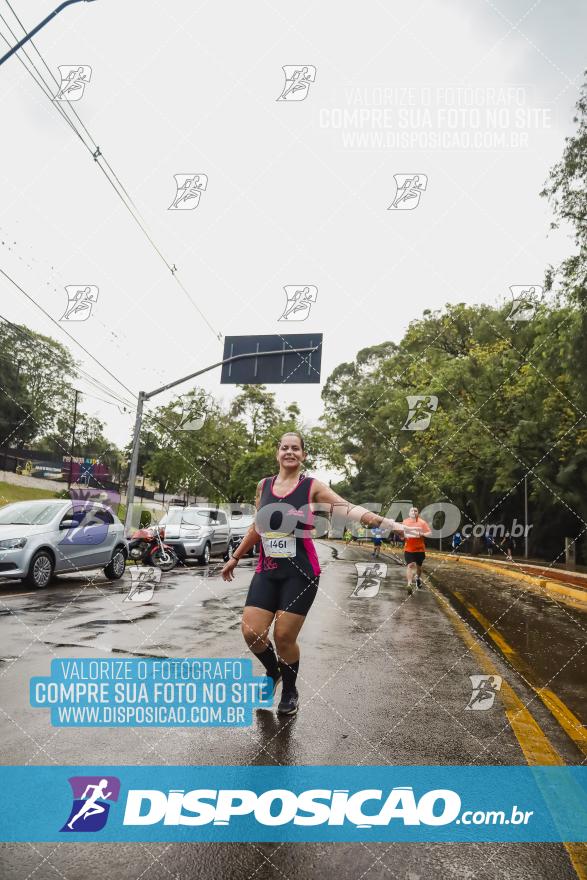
[295, 434]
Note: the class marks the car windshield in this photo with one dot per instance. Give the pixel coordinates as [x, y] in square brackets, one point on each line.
[191, 517]
[195, 517]
[241, 519]
[29, 513]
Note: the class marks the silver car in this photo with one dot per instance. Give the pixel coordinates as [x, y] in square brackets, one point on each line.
[41, 538]
[239, 526]
[197, 532]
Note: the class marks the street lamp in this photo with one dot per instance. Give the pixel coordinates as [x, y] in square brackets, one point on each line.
[36, 29]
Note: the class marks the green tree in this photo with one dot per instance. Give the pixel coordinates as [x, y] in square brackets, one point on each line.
[45, 369]
[17, 424]
[257, 409]
[507, 402]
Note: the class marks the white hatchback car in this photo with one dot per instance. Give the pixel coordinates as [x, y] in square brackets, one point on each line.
[197, 532]
[41, 538]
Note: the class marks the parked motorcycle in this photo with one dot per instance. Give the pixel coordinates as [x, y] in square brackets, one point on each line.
[147, 546]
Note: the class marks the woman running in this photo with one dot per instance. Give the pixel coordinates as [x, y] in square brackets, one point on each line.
[286, 579]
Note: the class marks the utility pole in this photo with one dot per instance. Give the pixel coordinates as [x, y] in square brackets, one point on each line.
[134, 461]
[72, 439]
[147, 395]
[36, 29]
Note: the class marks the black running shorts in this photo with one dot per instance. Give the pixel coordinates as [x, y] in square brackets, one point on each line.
[417, 557]
[283, 591]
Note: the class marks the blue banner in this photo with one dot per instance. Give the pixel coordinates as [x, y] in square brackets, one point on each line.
[151, 692]
[341, 803]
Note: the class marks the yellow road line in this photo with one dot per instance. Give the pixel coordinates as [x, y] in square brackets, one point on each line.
[540, 582]
[534, 743]
[565, 717]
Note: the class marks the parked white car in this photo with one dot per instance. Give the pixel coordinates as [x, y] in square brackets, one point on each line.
[39, 539]
[239, 526]
[197, 532]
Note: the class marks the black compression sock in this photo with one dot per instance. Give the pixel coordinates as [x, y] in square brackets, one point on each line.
[289, 672]
[268, 658]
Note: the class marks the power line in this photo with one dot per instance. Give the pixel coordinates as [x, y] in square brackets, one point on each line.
[97, 154]
[67, 333]
[42, 84]
[45, 349]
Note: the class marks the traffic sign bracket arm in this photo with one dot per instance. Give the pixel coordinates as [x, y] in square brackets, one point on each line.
[36, 29]
[236, 357]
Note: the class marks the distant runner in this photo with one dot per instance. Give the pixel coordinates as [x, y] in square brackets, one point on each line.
[507, 545]
[286, 579]
[489, 542]
[414, 547]
[377, 538]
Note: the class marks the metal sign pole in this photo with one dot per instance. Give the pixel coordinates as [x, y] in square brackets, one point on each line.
[147, 395]
[134, 463]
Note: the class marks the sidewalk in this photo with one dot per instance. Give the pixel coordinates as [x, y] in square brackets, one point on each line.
[571, 585]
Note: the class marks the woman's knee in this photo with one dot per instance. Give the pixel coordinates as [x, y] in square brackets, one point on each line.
[255, 630]
[284, 639]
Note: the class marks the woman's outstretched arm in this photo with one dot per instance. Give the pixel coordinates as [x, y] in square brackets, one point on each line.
[322, 494]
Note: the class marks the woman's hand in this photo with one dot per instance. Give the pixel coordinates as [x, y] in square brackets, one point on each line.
[229, 567]
[392, 525]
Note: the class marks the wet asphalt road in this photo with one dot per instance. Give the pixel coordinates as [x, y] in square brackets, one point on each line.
[383, 680]
[547, 631]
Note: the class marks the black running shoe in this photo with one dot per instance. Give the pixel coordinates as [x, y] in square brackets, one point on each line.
[418, 583]
[288, 704]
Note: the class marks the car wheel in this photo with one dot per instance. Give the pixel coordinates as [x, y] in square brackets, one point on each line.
[115, 568]
[205, 557]
[40, 570]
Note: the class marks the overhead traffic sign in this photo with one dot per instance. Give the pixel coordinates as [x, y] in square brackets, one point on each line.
[275, 359]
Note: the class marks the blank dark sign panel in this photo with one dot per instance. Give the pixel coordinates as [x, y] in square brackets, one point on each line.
[286, 367]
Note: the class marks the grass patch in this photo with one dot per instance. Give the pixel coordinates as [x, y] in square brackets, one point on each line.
[9, 492]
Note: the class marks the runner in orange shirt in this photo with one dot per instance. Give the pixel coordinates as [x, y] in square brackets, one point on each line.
[415, 547]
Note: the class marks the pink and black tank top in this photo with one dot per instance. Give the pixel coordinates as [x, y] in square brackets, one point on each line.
[284, 522]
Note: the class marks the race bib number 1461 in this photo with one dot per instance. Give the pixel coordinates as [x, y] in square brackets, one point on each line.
[277, 544]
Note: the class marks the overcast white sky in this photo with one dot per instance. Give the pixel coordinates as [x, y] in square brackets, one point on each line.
[184, 87]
